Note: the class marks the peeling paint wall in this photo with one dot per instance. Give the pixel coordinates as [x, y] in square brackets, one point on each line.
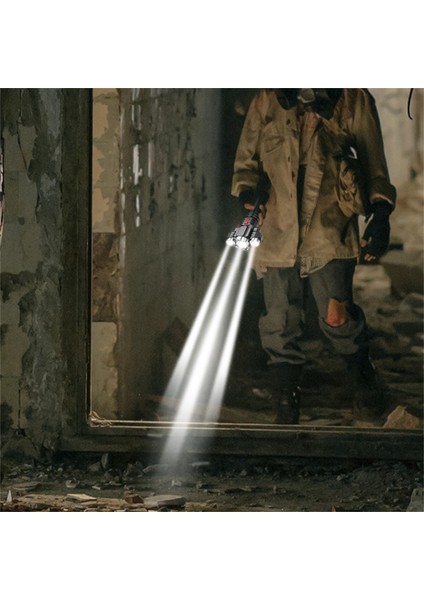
[156, 219]
[32, 370]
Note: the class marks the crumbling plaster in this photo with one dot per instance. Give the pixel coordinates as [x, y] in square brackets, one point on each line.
[33, 369]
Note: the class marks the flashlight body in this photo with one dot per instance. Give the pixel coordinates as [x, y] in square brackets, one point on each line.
[247, 234]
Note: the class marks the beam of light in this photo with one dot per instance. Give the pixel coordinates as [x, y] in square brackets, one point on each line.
[199, 378]
[177, 378]
[201, 368]
[221, 377]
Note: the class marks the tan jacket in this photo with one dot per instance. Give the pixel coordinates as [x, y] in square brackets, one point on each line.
[336, 185]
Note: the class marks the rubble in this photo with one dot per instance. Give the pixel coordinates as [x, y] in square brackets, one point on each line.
[401, 418]
[280, 484]
[133, 499]
[164, 501]
[80, 497]
[417, 501]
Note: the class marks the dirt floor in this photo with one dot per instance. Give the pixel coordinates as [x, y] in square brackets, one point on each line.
[81, 483]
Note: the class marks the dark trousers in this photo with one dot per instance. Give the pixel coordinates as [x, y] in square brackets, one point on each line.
[281, 326]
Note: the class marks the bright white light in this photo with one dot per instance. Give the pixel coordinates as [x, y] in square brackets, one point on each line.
[242, 243]
[218, 390]
[201, 374]
[174, 385]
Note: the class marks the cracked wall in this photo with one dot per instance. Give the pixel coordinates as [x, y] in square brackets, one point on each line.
[168, 221]
[32, 370]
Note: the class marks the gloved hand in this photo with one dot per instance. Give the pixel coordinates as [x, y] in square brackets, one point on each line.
[376, 238]
[247, 199]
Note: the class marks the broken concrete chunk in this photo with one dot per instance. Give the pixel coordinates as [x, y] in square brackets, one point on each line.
[71, 484]
[133, 499]
[416, 503]
[95, 468]
[105, 460]
[165, 500]
[133, 470]
[400, 418]
[156, 469]
[81, 497]
[23, 488]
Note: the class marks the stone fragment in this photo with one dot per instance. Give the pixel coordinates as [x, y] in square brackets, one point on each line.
[71, 484]
[164, 500]
[23, 488]
[95, 467]
[105, 460]
[417, 349]
[81, 497]
[156, 469]
[416, 503]
[400, 418]
[133, 470]
[133, 499]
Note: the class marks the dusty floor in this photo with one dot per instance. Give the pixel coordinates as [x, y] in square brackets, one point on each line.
[123, 483]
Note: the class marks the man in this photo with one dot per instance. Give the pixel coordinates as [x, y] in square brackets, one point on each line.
[320, 152]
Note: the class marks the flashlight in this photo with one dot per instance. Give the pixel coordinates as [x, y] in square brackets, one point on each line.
[247, 235]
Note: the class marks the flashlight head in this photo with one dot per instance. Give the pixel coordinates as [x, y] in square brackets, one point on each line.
[242, 243]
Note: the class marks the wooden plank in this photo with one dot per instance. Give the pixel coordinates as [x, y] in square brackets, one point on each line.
[329, 442]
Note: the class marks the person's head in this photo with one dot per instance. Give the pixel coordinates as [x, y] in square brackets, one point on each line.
[319, 100]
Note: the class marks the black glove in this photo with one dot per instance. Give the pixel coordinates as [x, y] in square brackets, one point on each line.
[377, 232]
[246, 197]
[250, 196]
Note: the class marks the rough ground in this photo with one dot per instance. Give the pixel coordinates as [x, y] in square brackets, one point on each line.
[76, 483]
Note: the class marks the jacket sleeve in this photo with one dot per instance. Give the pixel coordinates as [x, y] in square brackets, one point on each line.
[370, 148]
[247, 165]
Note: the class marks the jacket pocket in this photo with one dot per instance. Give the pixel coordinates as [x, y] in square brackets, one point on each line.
[350, 188]
[272, 138]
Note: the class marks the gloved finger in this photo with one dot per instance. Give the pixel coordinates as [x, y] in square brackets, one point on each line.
[375, 248]
[367, 233]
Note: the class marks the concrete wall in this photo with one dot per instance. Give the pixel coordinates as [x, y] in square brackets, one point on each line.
[32, 366]
[171, 204]
[157, 211]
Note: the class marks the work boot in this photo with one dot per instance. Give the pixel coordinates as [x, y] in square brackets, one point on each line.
[287, 406]
[287, 393]
[369, 398]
